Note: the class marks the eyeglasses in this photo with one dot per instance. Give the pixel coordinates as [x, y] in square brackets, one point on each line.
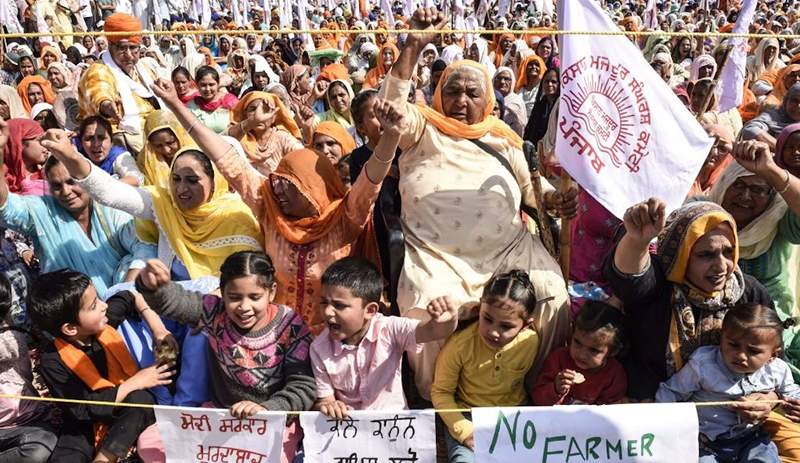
[755, 190]
[130, 49]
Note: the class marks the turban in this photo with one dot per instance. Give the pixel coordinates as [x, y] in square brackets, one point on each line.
[121, 22]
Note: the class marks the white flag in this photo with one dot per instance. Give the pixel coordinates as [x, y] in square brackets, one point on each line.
[651, 15]
[8, 16]
[731, 80]
[237, 13]
[386, 9]
[503, 8]
[621, 134]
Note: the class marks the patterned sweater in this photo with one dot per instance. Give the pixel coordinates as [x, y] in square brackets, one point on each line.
[270, 366]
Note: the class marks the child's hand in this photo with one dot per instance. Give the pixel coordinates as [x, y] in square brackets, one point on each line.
[335, 409]
[564, 381]
[470, 442]
[152, 376]
[154, 275]
[245, 409]
[442, 309]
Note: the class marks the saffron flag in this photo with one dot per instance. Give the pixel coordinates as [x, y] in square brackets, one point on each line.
[731, 80]
[621, 132]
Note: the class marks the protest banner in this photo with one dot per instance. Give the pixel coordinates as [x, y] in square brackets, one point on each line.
[370, 437]
[213, 435]
[622, 134]
[578, 433]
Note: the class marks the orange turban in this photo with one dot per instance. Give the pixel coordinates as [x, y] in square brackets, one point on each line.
[121, 22]
[338, 133]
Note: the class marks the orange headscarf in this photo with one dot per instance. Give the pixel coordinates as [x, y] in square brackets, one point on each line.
[498, 50]
[317, 180]
[48, 49]
[121, 22]
[522, 73]
[335, 71]
[775, 98]
[374, 76]
[47, 90]
[120, 364]
[283, 120]
[456, 128]
[338, 133]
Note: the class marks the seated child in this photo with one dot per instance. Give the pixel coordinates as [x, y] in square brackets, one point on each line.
[357, 358]
[745, 362]
[484, 365]
[88, 361]
[25, 435]
[586, 372]
[258, 350]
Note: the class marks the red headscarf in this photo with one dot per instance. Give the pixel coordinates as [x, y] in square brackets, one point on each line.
[19, 130]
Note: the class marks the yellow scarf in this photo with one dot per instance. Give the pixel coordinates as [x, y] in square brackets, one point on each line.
[156, 171]
[203, 237]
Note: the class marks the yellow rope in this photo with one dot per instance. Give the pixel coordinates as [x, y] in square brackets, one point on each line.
[404, 31]
[443, 410]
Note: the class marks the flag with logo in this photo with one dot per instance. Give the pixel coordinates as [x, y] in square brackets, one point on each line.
[621, 132]
[731, 81]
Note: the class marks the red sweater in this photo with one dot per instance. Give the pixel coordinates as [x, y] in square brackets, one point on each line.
[602, 387]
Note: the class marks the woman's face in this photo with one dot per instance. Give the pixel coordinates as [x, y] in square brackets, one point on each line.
[191, 186]
[304, 83]
[387, 57]
[260, 80]
[369, 126]
[685, 46]
[26, 67]
[47, 59]
[339, 99]
[183, 48]
[428, 57]
[698, 98]
[324, 61]
[747, 198]
[505, 44]
[5, 110]
[88, 43]
[791, 78]
[502, 82]
[46, 120]
[33, 153]
[473, 53]
[208, 87]
[464, 97]
[550, 83]
[35, 94]
[224, 45]
[96, 143]
[292, 203]
[769, 54]
[182, 84]
[791, 105]
[719, 150]
[55, 77]
[164, 144]
[102, 45]
[532, 71]
[706, 71]
[329, 147]
[711, 260]
[496, 109]
[256, 111]
[790, 154]
[544, 49]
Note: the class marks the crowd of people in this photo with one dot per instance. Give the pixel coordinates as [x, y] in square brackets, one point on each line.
[268, 221]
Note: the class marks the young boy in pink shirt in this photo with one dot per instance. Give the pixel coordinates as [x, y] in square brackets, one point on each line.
[357, 359]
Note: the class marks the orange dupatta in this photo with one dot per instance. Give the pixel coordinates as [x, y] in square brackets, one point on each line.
[522, 71]
[455, 128]
[121, 366]
[498, 50]
[374, 76]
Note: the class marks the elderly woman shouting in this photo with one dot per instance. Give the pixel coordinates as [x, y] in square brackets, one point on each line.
[463, 177]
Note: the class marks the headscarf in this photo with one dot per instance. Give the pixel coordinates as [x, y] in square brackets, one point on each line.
[121, 22]
[318, 181]
[290, 79]
[498, 51]
[9, 95]
[39, 107]
[522, 74]
[156, 172]
[483, 54]
[684, 228]
[283, 121]
[193, 60]
[456, 128]
[787, 132]
[205, 236]
[334, 72]
[14, 170]
[779, 90]
[700, 62]
[755, 64]
[47, 90]
[69, 76]
[49, 50]
[756, 238]
[375, 75]
[338, 133]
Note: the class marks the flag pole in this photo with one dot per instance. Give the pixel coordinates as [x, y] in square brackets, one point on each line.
[536, 179]
[714, 82]
[565, 236]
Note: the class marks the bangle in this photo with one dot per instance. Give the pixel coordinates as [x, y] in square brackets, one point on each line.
[144, 310]
[375, 157]
[786, 183]
[191, 127]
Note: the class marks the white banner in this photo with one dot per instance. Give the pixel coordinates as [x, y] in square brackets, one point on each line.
[370, 436]
[622, 134]
[651, 15]
[213, 435]
[731, 81]
[653, 433]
